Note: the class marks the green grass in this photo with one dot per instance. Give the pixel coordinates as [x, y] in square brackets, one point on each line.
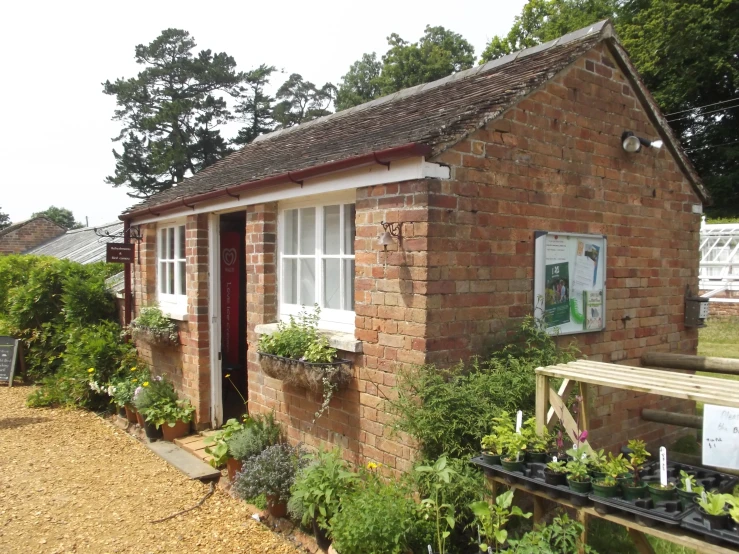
[719, 338]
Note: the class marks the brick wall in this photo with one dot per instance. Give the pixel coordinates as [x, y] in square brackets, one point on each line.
[724, 310]
[16, 240]
[187, 364]
[554, 162]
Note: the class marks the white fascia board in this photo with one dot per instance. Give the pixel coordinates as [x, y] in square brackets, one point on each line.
[370, 175]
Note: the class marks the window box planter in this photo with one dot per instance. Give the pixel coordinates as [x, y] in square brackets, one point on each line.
[305, 374]
[154, 336]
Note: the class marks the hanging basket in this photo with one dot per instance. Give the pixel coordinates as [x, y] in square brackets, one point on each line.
[305, 374]
[150, 336]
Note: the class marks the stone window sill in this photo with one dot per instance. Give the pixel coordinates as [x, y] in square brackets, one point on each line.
[345, 342]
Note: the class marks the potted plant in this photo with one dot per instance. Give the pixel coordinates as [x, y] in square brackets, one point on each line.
[492, 518]
[660, 493]
[578, 475]
[173, 417]
[607, 486]
[513, 452]
[492, 447]
[537, 444]
[216, 445]
[256, 434]
[556, 473]
[713, 508]
[635, 489]
[597, 461]
[271, 473]
[152, 392]
[298, 355]
[154, 327]
[688, 489]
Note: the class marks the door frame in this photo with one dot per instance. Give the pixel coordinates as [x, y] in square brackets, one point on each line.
[214, 312]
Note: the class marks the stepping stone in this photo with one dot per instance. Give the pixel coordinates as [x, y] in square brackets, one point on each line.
[187, 463]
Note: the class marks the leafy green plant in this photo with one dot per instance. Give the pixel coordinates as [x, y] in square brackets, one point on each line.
[514, 447]
[597, 460]
[216, 445]
[561, 536]
[321, 485]
[435, 505]
[637, 457]
[714, 504]
[299, 339]
[449, 410]
[560, 466]
[687, 479]
[535, 442]
[616, 466]
[492, 443]
[577, 470]
[492, 519]
[152, 324]
[258, 433]
[166, 411]
[271, 472]
[379, 518]
[153, 391]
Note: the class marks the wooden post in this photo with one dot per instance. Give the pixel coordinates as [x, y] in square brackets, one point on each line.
[542, 402]
[709, 364]
[672, 418]
[538, 509]
[640, 541]
[582, 517]
[584, 408]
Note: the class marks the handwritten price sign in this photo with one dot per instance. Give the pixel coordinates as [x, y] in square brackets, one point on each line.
[720, 436]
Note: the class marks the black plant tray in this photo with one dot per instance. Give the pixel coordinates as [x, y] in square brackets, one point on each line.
[670, 512]
[694, 522]
[532, 479]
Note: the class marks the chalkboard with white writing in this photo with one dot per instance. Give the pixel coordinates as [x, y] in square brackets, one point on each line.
[8, 358]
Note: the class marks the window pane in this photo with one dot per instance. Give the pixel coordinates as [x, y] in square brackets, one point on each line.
[170, 243]
[348, 285]
[183, 278]
[162, 277]
[331, 224]
[308, 231]
[349, 228]
[307, 282]
[162, 246]
[181, 245]
[291, 232]
[170, 276]
[290, 281]
[331, 283]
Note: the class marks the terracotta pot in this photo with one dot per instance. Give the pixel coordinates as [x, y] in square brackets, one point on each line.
[180, 429]
[276, 508]
[233, 466]
[130, 413]
[140, 419]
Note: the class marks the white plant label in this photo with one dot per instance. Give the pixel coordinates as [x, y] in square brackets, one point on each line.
[704, 497]
[689, 485]
[519, 421]
[663, 466]
[431, 550]
[554, 458]
[720, 436]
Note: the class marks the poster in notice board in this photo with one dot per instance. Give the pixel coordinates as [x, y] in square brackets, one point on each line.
[720, 436]
[569, 282]
[9, 354]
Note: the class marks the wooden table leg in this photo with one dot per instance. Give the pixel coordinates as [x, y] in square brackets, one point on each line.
[641, 542]
[538, 509]
[542, 402]
[583, 518]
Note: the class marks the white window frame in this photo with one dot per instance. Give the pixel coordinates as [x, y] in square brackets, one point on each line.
[331, 319]
[173, 305]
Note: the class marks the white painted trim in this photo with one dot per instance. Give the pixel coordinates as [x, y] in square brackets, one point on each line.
[401, 170]
[214, 309]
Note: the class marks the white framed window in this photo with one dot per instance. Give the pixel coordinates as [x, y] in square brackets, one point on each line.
[316, 259]
[172, 269]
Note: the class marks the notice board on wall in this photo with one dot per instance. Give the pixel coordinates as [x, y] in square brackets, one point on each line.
[569, 282]
[720, 436]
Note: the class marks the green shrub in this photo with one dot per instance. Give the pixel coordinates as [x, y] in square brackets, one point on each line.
[69, 386]
[379, 518]
[259, 432]
[450, 410]
[97, 346]
[561, 536]
[272, 473]
[299, 339]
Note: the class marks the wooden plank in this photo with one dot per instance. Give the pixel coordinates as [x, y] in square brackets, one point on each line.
[672, 418]
[568, 422]
[640, 541]
[564, 392]
[584, 406]
[670, 360]
[542, 402]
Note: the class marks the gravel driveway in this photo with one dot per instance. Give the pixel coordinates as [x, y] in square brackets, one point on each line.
[70, 482]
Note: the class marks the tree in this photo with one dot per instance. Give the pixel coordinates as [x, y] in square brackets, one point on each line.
[255, 107]
[170, 113]
[4, 221]
[686, 52]
[438, 53]
[301, 101]
[60, 216]
[361, 83]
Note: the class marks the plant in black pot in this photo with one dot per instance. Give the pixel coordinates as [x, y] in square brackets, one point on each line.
[714, 509]
[513, 452]
[597, 461]
[151, 392]
[556, 473]
[635, 488]
[607, 486]
[578, 475]
[492, 448]
[688, 489]
[537, 444]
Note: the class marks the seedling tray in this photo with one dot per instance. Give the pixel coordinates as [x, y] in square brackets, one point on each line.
[669, 512]
[532, 479]
[694, 522]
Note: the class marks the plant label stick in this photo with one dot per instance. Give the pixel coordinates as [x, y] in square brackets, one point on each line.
[663, 466]
[689, 485]
[554, 458]
[519, 421]
[431, 550]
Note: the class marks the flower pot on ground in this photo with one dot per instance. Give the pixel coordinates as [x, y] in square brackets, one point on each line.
[171, 432]
[151, 431]
[140, 419]
[173, 417]
[233, 466]
[244, 441]
[276, 506]
[122, 412]
[130, 413]
[322, 539]
[660, 493]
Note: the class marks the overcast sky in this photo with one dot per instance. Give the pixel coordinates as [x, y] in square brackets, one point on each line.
[55, 148]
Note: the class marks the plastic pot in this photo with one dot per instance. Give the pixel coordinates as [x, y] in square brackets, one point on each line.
[715, 522]
[606, 491]
[512, 465]
[597, 475]
[490, 458]
[582, 487]
[659, 494]
[319, 533]
[687, 498]
[536, 457]
[635, 493]
[151, 431]
[555, 479]
[122, 412]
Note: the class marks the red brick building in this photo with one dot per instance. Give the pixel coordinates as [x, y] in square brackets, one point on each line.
[472, 166]
[23, 236]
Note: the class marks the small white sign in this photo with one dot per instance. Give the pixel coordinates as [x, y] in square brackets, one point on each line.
[554, 458]
[663, 466]
[519, 421]
[720, 436]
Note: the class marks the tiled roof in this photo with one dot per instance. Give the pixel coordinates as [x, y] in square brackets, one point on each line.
[436, 114]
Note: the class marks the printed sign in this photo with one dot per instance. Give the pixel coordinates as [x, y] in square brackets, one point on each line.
[569, 282]
[230, 299]
[9, 353]
[720, 436]
[117, 252]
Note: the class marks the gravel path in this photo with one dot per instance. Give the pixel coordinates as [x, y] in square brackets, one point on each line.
[70, 482]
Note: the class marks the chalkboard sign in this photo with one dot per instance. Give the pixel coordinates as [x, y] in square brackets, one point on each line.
[9, 354]
[720, 436]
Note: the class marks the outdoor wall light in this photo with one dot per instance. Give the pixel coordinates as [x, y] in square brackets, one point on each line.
[631, 143]
[392, 230]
